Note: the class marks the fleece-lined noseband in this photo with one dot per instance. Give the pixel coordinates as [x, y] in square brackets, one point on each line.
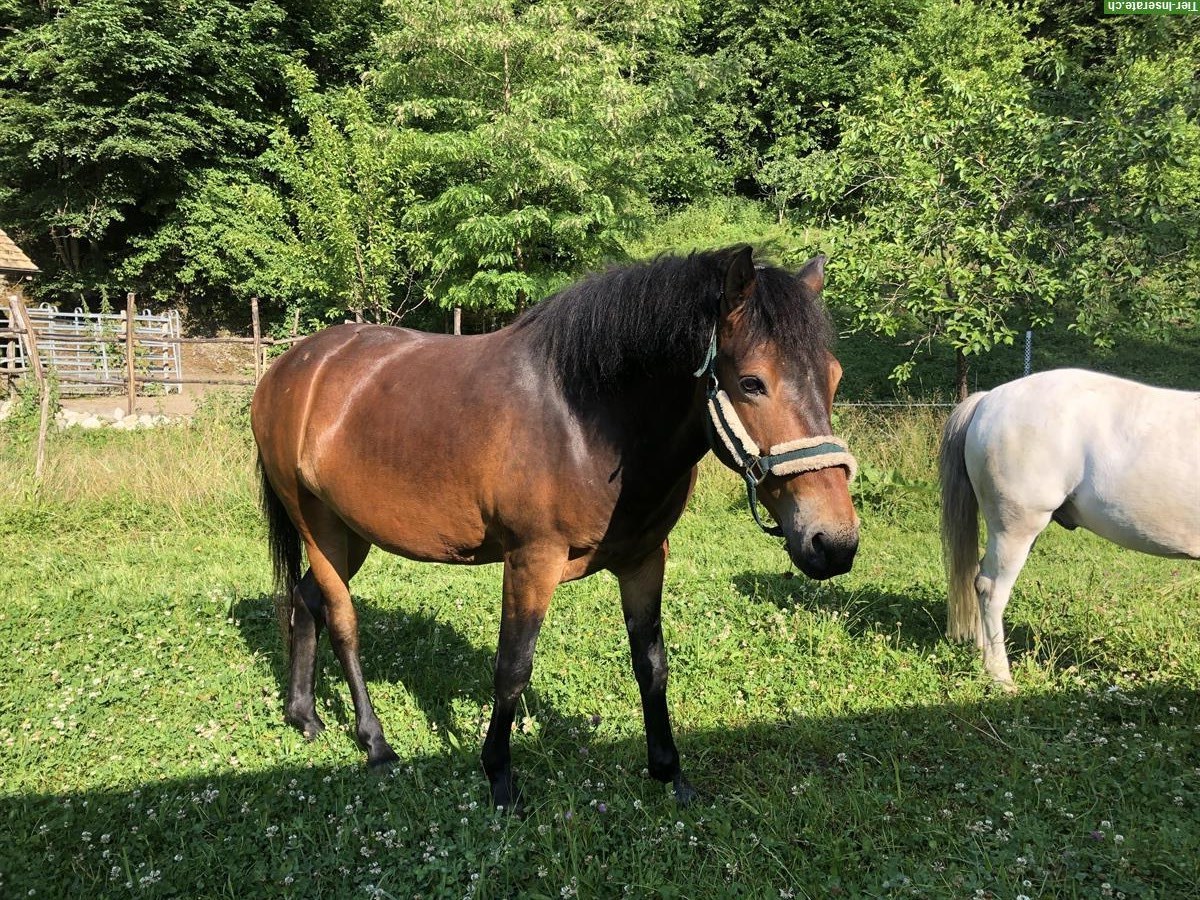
[791, 458]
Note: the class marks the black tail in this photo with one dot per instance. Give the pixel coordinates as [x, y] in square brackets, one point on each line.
[284, 541]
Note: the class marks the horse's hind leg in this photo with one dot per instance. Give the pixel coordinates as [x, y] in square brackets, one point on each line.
[1008, 546]
[308, 618]
[641, 603]
[334, 554]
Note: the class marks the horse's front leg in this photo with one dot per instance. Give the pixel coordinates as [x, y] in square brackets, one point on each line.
[530, 576]
[641, 602]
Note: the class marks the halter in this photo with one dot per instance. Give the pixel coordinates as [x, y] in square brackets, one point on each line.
[791, 458]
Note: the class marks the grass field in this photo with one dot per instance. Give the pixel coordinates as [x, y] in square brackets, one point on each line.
[843, 748]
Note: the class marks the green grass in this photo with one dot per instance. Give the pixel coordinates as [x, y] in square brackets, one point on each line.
[843, 748]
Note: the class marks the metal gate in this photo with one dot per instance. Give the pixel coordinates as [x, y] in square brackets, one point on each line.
[87, 350]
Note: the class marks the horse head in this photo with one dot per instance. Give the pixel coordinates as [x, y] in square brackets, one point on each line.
[771, 382]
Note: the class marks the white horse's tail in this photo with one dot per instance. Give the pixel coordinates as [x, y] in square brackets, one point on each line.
[960, 525]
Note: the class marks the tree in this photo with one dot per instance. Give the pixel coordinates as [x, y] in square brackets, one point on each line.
[1123, 199]
[230, 239]
[935, 188]
[314, 227]
[334, 39]
[532, 141]
[786, 67]
[1003, 171]
[108, 107]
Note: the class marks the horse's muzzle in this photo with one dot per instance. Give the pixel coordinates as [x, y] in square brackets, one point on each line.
[823, 554]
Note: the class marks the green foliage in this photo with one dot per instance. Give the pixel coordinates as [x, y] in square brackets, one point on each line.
[529, 140]
[1125, 199]
[936, 186]
[230, 240]
[336, 38]
[20, 426]
[226, 412]
[981, 182]
[108, 107]
[495, 154]
[886, 492]
[316, 226]
[786, 67]
[973, 168]
[723, 222]
[346, 188]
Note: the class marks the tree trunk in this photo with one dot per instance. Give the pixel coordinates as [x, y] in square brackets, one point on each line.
[520, 257]
[960, 373]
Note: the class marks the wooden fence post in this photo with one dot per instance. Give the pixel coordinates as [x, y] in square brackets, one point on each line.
[457, 320]
[131, 377]
[22, 321]
[258, 359]
[10, 344]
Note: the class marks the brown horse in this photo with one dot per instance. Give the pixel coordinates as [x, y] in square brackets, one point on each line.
[561, 445]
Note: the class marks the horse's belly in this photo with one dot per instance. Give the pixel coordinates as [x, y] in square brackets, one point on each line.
[1155, 525]
[427, 526]
[429, 551]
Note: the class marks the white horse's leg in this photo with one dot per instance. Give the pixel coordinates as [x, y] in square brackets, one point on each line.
[1008, 547]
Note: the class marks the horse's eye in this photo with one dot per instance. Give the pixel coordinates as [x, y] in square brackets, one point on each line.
[752, 385]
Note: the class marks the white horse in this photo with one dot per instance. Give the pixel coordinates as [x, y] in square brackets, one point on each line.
[1119, 458]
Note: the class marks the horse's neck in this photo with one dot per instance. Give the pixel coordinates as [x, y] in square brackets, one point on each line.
[660, 424]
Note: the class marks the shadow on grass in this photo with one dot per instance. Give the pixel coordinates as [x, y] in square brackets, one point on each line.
[825, 792]
[919, 613]
[428, 656]
[918, 617]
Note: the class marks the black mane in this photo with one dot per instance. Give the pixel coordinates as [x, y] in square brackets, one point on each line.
[619, 326]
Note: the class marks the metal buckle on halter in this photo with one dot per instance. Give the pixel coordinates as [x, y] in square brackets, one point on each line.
[756, 470]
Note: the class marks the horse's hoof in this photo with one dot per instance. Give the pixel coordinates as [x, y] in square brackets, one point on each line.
[1004, 685]
[685, 794]
[310, 728]
[508, 798]
[383, 763]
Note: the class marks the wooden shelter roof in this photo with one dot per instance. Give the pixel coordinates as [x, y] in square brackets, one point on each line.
[13, 260]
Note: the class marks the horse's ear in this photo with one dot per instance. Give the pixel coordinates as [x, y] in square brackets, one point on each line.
[835, 376]
[812, 276]
[739, 280]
